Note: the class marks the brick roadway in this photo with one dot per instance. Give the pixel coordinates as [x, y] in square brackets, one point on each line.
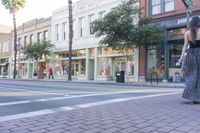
[165, 114]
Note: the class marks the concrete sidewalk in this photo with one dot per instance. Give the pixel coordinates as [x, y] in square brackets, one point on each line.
[141, 84]
[166, 114]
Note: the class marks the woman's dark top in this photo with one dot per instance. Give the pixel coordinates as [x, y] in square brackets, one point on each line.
[195, 44]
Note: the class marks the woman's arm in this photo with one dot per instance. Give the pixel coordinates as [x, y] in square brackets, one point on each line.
[185, 46]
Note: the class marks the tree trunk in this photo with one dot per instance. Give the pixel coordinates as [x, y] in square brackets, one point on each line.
[70, 38]
[37, 70]
[15, 45]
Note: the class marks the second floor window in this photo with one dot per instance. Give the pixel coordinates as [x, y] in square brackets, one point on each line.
[101, 14]
[25, 40]
[161, 6]
[156, 7]
[31, 38]
[64, 31]
[169, 5]
[90, 20]
[19, 40]
[81, 24]
[74, 28]
[45, 35]
[39, 36]
[57, 32]
[5, 46]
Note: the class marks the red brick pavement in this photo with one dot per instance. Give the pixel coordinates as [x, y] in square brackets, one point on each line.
[165, 114]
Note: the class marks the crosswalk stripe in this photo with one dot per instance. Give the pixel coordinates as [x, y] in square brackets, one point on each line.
[54, 110]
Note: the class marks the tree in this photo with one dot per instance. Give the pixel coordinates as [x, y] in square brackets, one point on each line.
[117, 27]
[13, 6]
[126, 27]
[37, 50]
[70, 38]
[148, 34]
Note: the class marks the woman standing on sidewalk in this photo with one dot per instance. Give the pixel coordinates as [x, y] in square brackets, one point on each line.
[191, 64]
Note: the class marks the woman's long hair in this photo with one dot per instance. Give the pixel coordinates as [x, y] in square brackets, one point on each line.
[194, 26]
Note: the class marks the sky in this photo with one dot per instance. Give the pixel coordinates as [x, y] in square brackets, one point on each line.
[33, 9]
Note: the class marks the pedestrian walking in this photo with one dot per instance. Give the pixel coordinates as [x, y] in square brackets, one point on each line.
[191, 61]
[50, 71]
[35, 73]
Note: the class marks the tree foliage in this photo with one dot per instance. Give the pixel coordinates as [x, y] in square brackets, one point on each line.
[148, 34]
[13, 5]
[125, 26]
[37, 50]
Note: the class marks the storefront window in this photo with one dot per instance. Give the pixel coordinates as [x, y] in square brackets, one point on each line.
[109, 66]
[155, 61]
[78, 67]
[75, 53]
[105, 66]
[105, 51]
[121, 66]
[174, 54]
[83, 67]
[109, 51]
[130, 65]
[92, 52]
[177, 34]
[24, 69]
[4, 66]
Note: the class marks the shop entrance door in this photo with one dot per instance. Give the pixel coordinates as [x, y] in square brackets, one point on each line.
[75, 68]
[30, 75]
[91, 69]
[155, 62]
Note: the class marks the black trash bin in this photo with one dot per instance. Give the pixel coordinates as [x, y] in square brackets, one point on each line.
[120, 77]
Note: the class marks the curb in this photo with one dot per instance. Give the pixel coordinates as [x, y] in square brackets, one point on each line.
[145, 84]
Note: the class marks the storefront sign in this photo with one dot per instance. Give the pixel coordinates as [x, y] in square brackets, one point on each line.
[183, 20]
[174, 23]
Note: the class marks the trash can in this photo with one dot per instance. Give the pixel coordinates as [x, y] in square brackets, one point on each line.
[176, 77]
[120, 77]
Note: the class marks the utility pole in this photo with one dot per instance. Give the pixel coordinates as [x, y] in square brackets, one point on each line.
[70, 39]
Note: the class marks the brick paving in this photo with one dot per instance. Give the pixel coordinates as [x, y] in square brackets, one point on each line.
[165, 114]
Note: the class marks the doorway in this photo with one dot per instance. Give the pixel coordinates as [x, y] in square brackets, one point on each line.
[91, 70]
[75, 68]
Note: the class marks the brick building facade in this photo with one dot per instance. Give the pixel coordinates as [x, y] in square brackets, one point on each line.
[172, 15]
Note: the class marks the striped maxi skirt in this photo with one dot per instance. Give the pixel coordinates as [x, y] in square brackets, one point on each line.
[191, 70]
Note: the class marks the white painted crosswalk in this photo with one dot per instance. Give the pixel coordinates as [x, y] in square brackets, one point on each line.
[67, 108]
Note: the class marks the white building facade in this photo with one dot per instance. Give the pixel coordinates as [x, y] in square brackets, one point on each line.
[29, 32]
[5, 50]
[89, 60]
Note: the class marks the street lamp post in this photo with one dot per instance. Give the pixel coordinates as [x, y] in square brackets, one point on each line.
[188, 13]
[187, 4]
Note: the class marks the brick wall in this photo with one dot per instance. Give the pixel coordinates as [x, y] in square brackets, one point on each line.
[178, 12]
